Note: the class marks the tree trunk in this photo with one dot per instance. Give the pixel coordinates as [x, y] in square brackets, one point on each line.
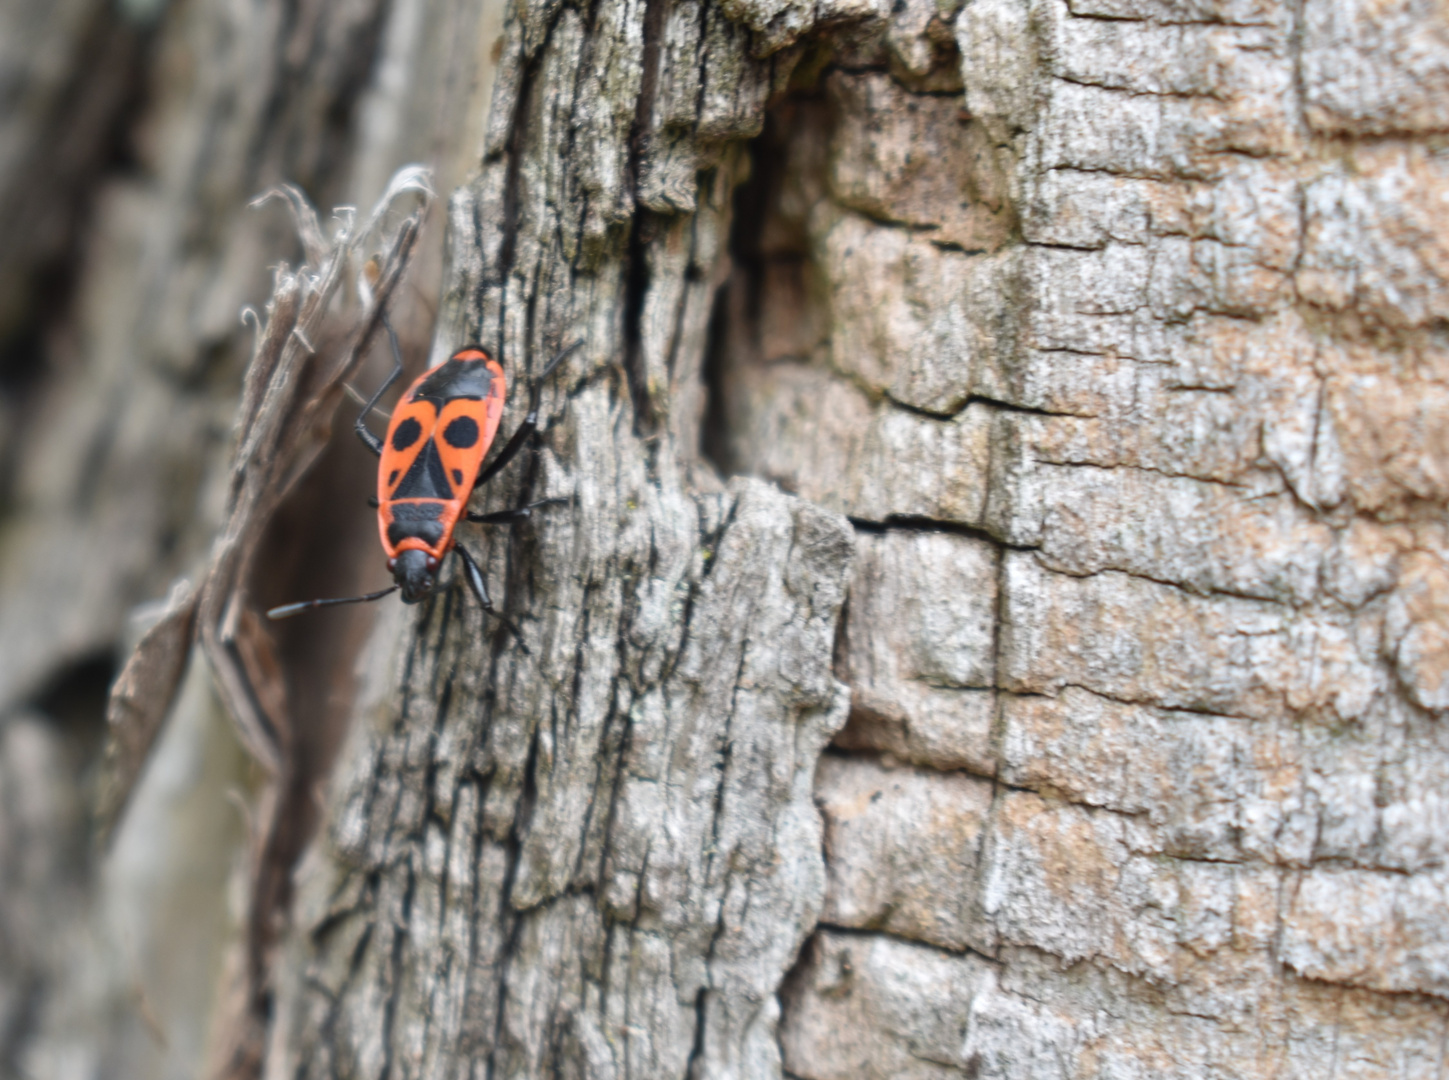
[1057, 690]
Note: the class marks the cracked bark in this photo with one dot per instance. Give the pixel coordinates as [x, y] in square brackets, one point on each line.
[1128, 389]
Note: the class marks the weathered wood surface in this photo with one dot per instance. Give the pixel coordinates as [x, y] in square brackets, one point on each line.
[1146, 762]
[606, 865]
[1115, 327]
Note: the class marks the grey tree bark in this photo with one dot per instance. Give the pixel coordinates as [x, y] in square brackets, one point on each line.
[1056, 690]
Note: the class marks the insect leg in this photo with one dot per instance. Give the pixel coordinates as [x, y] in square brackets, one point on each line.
[371, 441]
[286, 611]
[517, 513]
[474, 577]
[530, 422]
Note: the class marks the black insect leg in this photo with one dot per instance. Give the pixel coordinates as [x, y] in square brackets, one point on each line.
[475, 580]
[371, 441]
[516, 514]
[286, 611]
[530, 422]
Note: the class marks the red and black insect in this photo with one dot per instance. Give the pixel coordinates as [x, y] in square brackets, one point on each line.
[431, 462]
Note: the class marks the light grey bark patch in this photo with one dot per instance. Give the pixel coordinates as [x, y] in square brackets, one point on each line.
[1040, 1021]
[918, 160]
[919, 648]
[922, 45]
[1182, 653]
[910, 319]
[947, 636]
[1407, 953]
[1370, 245]
[1204, 536]
[824, 439]
[870, 1006]
[633, 850]
[1414, 630]
[1373, 69]
[998, 46]
[903, 849]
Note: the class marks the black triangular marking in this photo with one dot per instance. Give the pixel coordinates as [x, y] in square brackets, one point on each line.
[426, 478]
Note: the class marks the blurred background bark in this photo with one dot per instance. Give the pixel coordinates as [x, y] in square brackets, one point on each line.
[1079, 712]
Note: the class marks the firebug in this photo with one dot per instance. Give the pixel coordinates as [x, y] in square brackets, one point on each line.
[430, 463]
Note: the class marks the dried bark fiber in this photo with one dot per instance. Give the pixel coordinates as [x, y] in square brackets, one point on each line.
[123, 482]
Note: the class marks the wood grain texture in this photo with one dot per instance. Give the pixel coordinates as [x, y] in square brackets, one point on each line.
[1155, 762]
[607, 859]
[1107, 333]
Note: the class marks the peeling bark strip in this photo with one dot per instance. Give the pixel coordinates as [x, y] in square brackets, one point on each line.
[288, 400]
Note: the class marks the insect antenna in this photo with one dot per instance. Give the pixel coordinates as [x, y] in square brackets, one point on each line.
[286, 611]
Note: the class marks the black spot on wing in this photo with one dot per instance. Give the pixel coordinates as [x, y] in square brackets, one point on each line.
[461, 432]
[406, 434]
[426, 478]
[458, 477]
[456, 379]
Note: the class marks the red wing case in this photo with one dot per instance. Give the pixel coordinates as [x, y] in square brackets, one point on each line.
[436, 441]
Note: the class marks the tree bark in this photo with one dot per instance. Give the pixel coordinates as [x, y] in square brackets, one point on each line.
[1058, 688]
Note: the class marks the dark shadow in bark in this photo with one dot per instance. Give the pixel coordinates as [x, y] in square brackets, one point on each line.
[768, 309]
[83, 142]
[74, 700]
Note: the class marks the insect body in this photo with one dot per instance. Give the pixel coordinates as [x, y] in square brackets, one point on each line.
[430, 463]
